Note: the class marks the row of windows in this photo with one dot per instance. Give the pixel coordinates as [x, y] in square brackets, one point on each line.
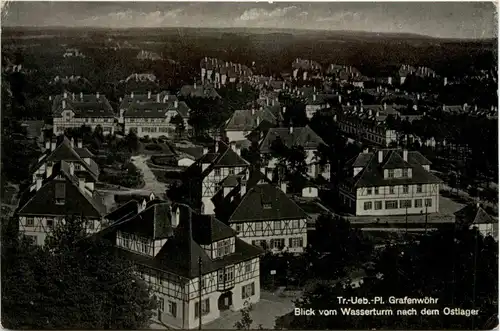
[222, 248]
[393, 204]
[205, 308]
[406, 189]
[404, 173]
[91, 120]
[279, 243]
[277, 225]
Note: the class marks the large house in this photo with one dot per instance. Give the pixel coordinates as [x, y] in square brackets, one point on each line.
[222, 72]
[152, 115]
[66, 150]
[262, 214]
[65, 193]
[389, 182]
[301, 136]
[199, 91]
[206, 175]
[72, 111]
[243, 122]
[188, 259]
[314, 103]
[308, 68]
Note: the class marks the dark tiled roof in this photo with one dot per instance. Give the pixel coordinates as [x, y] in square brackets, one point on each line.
[249, 119]
[77, 202]
[199, 91]
[153, 222]
[373, 171]
[473, 214]
[207, 229]
[88, 105]
[278, 205]
[302, 136]
[126, 211]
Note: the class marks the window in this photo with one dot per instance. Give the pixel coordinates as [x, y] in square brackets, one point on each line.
[228, 275]
[405, 189]
[238, 227]
[231, 171]
[223, 247]
[391, 189]
[405, 204]
[405, 172]
[369, 191]
[172, 308]
[376, 190]
[418, 203]
[428, 202]
[392, 204]
[161, 304]
[390, 173]
[30, 221]
[295, 242]
[248, 266]
[277, 243]
[31, 238]
[144, 245]
[247, 291]
[258, 226]
[50, 223]
[217, 172]
[266, 206]
[277, 225]
[91, 225]
[419, 188]
[367, 205]
[378, 205]
[205, 308]
[295, 224]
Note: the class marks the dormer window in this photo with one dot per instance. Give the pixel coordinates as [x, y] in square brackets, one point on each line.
[266, 206]
[390, 173]
[405, 173]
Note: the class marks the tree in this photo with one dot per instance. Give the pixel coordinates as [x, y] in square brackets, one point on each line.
[180, 127]
[72, 282]
[459, 268]
[246, 321]
[132, 141]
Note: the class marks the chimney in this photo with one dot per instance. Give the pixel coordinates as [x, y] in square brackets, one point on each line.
[176, 217]
[478, 205]
[71, 168]
[370, 112]
[283, 187]
[72, 141]
[284, 110]
[81, 95]
[216, 147]
[291, 129]
[97, 95]
[380, 156]
[81, 183]
[79, 144]
[50, 98]
[340, 99]
[53, 144]
[445, 81]
[405, 155]
[378, 114]
[284, 86]
[267, 101]
[314, 97]
[205, 150]
[418, 96]
[64, 104]
[233, 146]
[253, 111]
[132, 95]
[149, 94]
[258, 120]
[243, 187]
[238, 150]
[176, 104]
[194, 85]
[38, 184]
[65, 95]
[73, 96]
[385, 106]
[47, 144]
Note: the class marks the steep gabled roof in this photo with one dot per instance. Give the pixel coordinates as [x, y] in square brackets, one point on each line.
[249, 119]
[87, 105]
[266, 202]
[372, 173]
[76, 201]
[473, 214]
[302, 136]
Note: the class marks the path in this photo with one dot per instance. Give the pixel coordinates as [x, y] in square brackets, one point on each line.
[151, 183]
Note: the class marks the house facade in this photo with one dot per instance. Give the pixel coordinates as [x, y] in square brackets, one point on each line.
[61, 195]
[189, 260]
[70, 111]
[390, 182]
[152, 115]
[474, 215]
[243, 122]
[301, 136]
[263, 215]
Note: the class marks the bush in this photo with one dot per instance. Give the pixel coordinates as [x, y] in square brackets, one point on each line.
[129, 176]
[163, 160]
[153, 147]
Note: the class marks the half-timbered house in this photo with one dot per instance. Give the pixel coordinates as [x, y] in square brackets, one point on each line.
[389, 182]
[70, 111]
[62, 149]
[63, 194]
[473, 215]
[301, 136]
[206, 175]
[243, 122]
[189, 260]
[263, 215]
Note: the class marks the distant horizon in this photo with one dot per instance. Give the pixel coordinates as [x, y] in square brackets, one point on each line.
[443, 20]
[423, 36]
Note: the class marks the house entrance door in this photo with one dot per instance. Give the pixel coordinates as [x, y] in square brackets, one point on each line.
[225, 300]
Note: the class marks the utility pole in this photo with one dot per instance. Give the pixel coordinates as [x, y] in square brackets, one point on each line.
[474, 276]
[406, 219]
[426, 219]
[200, 276]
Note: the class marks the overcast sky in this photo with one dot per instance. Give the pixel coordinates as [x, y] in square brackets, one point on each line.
[438, 19]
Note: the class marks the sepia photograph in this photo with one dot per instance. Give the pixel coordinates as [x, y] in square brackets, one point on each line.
[249, 165]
